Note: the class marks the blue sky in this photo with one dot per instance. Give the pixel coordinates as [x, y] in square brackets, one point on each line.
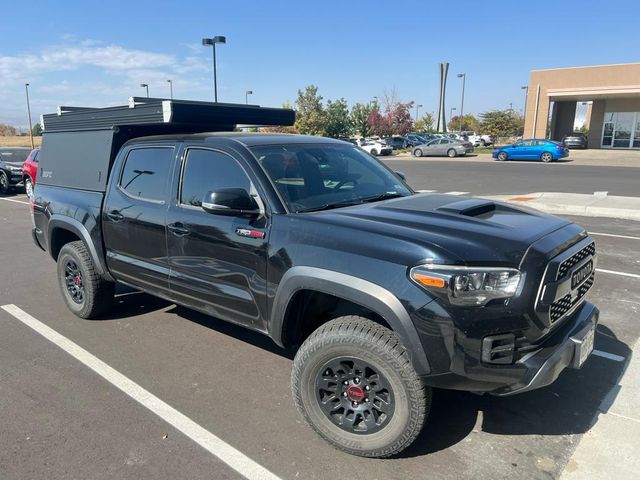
[96, 53]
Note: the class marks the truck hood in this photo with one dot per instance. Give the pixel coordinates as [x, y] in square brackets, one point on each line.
[466, 230]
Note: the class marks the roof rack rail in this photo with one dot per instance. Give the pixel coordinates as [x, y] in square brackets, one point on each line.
[169, 116]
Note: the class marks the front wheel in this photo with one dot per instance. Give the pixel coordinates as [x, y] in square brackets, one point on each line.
[374, 152]
[502, 156]
[4, 183]
[483, 143]
[451, 153]
[417, 152]
[355, 385]
[546, 157]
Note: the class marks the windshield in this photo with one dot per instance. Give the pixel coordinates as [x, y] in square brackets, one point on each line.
[14, 155]
[322, 176]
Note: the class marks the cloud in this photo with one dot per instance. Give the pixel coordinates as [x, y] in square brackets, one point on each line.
[89, 72]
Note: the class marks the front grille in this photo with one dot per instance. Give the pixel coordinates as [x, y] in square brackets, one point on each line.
[574, 259]
[560, 307]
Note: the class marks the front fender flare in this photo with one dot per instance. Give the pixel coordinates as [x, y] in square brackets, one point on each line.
[354, 289]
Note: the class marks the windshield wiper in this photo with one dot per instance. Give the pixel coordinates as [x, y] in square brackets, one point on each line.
[381, 196]
[356, 201]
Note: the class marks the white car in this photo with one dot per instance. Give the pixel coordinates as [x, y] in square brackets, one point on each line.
[376, 148]
[478, 140]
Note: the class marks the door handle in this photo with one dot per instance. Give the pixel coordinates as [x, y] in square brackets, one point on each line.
[115, 215]
[178, 229]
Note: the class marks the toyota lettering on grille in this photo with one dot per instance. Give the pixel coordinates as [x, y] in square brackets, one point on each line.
[581, 274]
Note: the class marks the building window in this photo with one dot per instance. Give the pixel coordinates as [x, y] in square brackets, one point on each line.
[621, 130]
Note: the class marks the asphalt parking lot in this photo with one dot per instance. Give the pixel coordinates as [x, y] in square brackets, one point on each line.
[62, 420]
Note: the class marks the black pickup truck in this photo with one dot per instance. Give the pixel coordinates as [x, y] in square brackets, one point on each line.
[384, 292]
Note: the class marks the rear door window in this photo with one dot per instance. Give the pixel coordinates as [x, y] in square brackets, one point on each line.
[145, 173]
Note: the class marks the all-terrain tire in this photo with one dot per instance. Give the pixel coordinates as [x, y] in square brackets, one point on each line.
[97, 294]
[381, 352]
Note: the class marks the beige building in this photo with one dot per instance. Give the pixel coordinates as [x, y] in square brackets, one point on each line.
[613, 114]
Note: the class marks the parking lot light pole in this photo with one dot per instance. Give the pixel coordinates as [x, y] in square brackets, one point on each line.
[212, 41]
[26, 89]
[145, 85]
[170, 88]
[464, 81]
[417, 109]
[246, 96]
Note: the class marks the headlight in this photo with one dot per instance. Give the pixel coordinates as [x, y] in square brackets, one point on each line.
[467, 285]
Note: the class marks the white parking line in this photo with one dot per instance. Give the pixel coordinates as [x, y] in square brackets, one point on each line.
[613, 272]
[612, 235]
[13, 200]
[207, 440]
[456, 193]
[610, 356]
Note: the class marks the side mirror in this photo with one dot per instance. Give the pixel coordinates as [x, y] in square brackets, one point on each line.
[230, 201]
[401, 175]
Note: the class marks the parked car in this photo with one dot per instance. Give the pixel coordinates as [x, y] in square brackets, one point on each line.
[29, 171]
[479, 140]
[376, 148]
[11, 160]
[575, 140]
[441, 147]
[397, 143]
[383, 293]
[532, 149]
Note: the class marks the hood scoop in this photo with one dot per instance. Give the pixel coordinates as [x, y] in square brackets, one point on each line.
[473, 207]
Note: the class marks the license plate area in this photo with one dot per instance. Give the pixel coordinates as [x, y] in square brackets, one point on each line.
[583, 346]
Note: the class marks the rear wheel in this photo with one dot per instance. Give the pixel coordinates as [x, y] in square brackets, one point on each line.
[502, 156]
[86, 294]
[28, 186]
[4, 183]
[417, 152]
[354, 384]
[451, 153]
[546, 157]
[374, 152]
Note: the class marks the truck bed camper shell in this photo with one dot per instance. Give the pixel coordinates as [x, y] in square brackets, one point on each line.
[79, 143]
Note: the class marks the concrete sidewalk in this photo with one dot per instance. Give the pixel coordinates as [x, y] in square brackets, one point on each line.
[596, 158]
[611, 447]
[597, 205]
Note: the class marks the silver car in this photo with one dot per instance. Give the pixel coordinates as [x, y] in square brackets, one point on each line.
[441, 147]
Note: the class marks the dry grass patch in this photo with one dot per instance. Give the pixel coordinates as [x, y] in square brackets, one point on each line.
[19, 141]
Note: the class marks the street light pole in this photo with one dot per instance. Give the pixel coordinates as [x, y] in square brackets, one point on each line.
[246, 96]
[145, 85]
[212, 42]
[26, 89]
[464, 81]
[417, 107]
[170, 88]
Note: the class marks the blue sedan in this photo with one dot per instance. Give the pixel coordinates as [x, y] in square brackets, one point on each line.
[532, 149]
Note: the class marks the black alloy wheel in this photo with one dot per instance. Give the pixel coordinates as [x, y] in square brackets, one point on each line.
[73, 281]
[354, 395]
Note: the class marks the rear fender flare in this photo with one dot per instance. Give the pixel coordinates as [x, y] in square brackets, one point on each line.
[356, 290]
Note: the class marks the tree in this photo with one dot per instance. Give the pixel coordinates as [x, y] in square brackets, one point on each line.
[338, 124]
[360, 119]
[396, 119]
[500, 123]
[7, 130]
[36, 131]
[310, 114]
[469, 123]
[425, 124]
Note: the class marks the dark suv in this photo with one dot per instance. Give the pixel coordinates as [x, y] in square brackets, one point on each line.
[384, 293]
[11, 161]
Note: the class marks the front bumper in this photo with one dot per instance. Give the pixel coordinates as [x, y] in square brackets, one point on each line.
[540, 367]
